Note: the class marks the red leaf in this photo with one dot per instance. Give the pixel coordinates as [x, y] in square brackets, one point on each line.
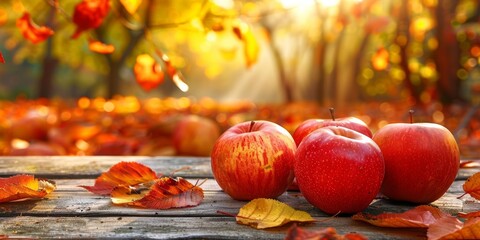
[2, 60]
[31, 31]
[148, 72]
[99, 47]
[421, 217]
[24, 187]
[89, 14]
[297, 233]
[122, 174]
[165, 193]
[469, 215]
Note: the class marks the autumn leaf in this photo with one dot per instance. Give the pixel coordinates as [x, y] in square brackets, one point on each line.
[452, 228]
[264, 213]
[297, 233]
[89, 14]
[2, 60]
[469, 215]
[99, 47]
[32, 31]
[165, 193]
[380, 60]
[21, 187]
[251, 47]
[472, 186]
[469, 164]
[419, 217]
[148, 72]
[122, 174]
[131, 5]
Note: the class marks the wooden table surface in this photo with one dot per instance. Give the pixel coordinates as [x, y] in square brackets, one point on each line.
[72, 212]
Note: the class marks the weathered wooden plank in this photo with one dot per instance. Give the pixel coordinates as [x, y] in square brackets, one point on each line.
[177, 228]
[71, 200]
[92, 166]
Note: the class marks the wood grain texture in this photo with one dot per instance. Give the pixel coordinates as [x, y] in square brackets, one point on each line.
[73, 212]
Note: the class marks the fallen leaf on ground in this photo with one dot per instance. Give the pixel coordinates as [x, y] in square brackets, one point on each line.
[165, 193]
[122, 174]
[298, 233]
[22, 187]
[420, 217]
[264, 213]
[472, 186]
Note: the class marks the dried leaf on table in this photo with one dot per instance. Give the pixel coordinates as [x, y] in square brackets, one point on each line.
[32, 31]
[22, 187]
[298, 233]
[165, 193]
[472, 186]
[122, 174]
[264, 213]
[469, 215]
[452, 228]
[418, 217]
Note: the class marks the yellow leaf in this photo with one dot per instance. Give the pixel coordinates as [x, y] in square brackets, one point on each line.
[264, 213]
[131, 5]
[251, 47]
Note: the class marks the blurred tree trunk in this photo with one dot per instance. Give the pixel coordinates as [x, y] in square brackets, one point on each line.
[320, 55]
[49, 64]
[333, 89]
[447, 54]
[403, 40]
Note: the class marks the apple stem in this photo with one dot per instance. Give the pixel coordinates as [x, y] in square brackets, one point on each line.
[332, 113]
[251, 126]
[411, 115]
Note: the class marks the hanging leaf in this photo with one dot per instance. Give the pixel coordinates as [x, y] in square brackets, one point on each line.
[99, 47]
[165, 193]
[21, 187]
[2, 60]
[148, 72]
[131, 5]
[420, 217]
[297, 233]
[251, 47]
[264, 213]
[31, 31]
[452, 228]
[472, 186]
[89, 14]
[122, 174]
[380, 60]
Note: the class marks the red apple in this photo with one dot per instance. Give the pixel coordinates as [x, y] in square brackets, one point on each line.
[339, 170]
[421, 161]
[195, 135]
[311, 125]
[254, 160]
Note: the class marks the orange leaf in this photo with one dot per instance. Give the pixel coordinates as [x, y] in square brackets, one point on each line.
[452, 228]
[165, 193]
[251, 47]
[89, 14]
[264, 213]
[380, 60]
[21, 187]
[2, 60]
[148, 72]
[297, 233]
[31, 31]
[99, 47]
[122, 174]
[472, 186]
[419, 217]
